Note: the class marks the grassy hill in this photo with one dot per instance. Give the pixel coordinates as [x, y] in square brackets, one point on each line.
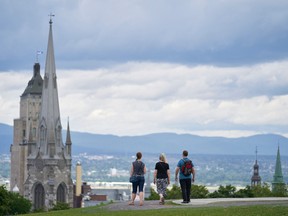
[263, 210]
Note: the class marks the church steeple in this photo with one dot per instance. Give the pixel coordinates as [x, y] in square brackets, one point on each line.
[50, 125]
[68, 142]
[256, 179]
[278, 176]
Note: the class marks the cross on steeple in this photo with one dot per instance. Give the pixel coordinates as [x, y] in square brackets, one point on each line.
[51, 15]
[256, 153]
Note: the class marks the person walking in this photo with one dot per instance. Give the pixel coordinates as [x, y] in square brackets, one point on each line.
[162, 177]
[186, 176]
[138, 169]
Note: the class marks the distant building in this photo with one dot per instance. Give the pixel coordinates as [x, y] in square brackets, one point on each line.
[256, 179]
[278, 182]
[40, 162]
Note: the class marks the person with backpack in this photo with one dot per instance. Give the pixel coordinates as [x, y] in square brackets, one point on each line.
[162, 177]
[138, 170]
[186, 176]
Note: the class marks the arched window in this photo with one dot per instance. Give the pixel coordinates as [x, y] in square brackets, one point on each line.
[61, 193]
[39, 197]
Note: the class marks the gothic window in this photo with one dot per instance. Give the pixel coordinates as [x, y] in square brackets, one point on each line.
[59, 135]
[42, 135]
[39, 197]
[34, 132]
[61, 193]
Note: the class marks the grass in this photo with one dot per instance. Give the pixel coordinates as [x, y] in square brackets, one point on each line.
[261, 210]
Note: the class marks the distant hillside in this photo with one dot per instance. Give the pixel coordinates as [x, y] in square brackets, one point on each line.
[164, 142]
[6, 138]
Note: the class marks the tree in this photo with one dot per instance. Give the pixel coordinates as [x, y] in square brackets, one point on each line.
[246, 192]
[261, 190]
[13, 203]
[224, 192]
[4, 201]
[280, 190]
[174, 193]
[18, 204]
[199, 191]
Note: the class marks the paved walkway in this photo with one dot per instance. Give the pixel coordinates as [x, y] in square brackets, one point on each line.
[224, 202]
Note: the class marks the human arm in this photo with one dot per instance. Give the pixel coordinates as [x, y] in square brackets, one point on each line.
[155, 175]
[176, 173]
[193, 174]
[168, 174]
[132, 170]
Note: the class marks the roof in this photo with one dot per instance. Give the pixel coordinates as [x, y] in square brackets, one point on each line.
[35, 84]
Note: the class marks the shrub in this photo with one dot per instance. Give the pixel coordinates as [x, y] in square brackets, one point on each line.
[60, 206]
[13, 203]
[199, 191]
[153, 196]
[174, 193]
[261, 190]
[228, 192]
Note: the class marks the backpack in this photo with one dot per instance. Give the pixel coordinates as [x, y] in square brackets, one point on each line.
[187, 167]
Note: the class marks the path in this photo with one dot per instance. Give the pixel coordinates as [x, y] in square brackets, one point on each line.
[199, 203]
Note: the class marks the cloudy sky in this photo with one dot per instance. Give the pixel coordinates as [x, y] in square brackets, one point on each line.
[133, 67]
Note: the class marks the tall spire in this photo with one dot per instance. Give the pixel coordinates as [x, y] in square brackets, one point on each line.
[278, 176]
[50, 124]
[68, 142]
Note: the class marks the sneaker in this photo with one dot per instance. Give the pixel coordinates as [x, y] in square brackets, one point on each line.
[184, 202]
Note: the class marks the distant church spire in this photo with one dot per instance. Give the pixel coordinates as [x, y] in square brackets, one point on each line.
[68, 140]
[50, 124]
[278, 176]
[256, 179]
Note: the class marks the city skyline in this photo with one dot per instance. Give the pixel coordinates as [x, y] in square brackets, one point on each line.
[132, 68]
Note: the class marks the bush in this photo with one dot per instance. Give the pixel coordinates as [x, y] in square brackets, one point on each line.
[224, 192]
[246, 192]
[280, 190]
[13, 203]
[261, 190]
[199, 191]
[153, 196]
[60, 206]
[174, 193]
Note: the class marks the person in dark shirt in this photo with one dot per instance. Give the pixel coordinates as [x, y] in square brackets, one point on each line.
[162, 177]
[138, 169]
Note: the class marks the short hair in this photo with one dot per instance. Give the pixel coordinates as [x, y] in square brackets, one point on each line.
[139, 155]
[185, 153]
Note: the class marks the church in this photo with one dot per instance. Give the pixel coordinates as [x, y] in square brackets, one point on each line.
[40, 161]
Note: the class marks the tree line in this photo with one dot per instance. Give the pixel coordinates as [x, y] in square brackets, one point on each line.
[228, 191]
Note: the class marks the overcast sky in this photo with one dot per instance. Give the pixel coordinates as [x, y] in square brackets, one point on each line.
[206, 67]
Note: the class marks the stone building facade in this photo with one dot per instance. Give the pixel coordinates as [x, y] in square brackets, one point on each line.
[40, 161]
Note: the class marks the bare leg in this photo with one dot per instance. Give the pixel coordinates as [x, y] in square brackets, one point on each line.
[141, 198]
[133, 198]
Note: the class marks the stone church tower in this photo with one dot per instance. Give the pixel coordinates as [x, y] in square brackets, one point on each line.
[30, 104]
[43, 161]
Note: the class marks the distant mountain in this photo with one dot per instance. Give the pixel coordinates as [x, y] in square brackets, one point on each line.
[164, 142]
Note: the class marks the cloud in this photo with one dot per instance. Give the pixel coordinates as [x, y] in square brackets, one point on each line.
[92, 34]
[148, 97]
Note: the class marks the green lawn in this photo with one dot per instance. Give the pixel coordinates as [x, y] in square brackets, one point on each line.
[261, 210]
